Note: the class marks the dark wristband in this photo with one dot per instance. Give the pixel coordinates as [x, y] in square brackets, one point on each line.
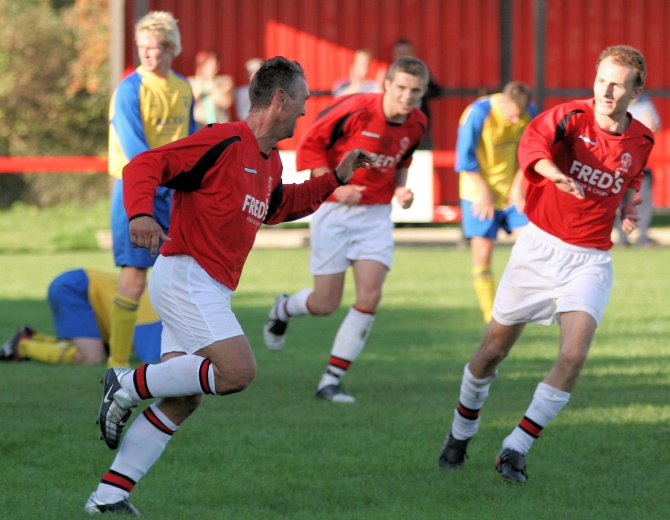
[140, 215]
[339, 181]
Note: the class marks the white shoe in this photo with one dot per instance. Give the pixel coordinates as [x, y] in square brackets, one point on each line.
[334, 394]
[115, 408]
[274, 330]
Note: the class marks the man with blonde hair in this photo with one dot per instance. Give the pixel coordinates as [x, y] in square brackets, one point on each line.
[151, 107]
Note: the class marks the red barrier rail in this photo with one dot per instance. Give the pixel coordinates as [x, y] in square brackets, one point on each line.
[90, 164]
[444, 158]
[98, 164]
[53, 164]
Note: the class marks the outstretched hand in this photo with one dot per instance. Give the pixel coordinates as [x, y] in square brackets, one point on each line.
[351, 161]
[569, 185]
[566, 184]
[145, 232]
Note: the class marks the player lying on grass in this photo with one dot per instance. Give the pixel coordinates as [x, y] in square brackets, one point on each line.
[80, 302]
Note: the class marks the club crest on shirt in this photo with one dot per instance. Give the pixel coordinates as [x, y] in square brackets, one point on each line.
[626, 161]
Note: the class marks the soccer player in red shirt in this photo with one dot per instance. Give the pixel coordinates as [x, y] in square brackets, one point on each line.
[227, 182]
[582, 159]
[354, 227]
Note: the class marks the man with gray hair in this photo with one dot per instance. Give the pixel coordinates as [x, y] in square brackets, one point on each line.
[227, 183]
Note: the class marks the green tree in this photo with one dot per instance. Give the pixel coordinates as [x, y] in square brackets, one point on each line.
[54, 79]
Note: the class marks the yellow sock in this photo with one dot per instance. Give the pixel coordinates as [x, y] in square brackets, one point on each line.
[47, 349]
[122, 327]
[484, 287]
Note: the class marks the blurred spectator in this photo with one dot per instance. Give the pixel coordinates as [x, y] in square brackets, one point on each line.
[213, 92]
[357, 81]
[242, 93]
[644, 111]
[404, 47]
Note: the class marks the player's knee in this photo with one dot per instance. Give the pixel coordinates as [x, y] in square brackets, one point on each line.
[235, 381]
[573, 361]
[322, 308]
[369, 300]
[133, 282]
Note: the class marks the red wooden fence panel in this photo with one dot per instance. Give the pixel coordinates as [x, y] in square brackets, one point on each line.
[459, 41]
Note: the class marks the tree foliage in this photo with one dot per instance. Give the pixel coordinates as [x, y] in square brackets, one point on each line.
[54, 77]
[54, 93]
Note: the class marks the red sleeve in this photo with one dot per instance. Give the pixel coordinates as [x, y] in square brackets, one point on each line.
[536, 143]
[147, 170]
[300, 200]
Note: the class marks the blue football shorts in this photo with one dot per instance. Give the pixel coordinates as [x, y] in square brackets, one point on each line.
[508, 219]
[72, 313]
[124, 253]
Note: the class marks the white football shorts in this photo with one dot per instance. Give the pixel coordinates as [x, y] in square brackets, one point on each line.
[546, 276]
[340, 234]
[194, 307]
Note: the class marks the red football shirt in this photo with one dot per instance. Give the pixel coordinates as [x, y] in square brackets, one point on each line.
[605, 164]
[358, 121]
[225, 188]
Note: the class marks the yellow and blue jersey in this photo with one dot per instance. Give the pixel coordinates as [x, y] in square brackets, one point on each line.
[487, 143]
[81, 301]
[147, 111]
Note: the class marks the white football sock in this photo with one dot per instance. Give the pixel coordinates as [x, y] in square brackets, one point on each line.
[470, 401]
[141, 447]
[179, 376]
[349, 343]
[547, 402]
[296, 305]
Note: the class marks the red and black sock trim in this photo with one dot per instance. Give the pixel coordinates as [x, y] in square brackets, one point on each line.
[140, 381]
[467, 413]
[155, 421]
[531, 428]
[116, 479]
[203, 375]
[364, 311]
[340, 363]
